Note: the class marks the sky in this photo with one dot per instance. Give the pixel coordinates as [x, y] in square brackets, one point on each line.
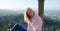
[23, 4]
[18, 4]
[52, 5]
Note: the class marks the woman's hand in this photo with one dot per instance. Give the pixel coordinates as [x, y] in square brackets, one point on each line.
[35, 29]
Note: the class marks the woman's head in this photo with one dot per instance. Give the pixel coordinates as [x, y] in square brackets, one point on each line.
[29, 14]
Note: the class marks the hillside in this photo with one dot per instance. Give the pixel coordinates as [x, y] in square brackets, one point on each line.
[6, 22]
[48, 22]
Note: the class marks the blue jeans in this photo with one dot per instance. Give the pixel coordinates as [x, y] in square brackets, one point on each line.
[18, 27]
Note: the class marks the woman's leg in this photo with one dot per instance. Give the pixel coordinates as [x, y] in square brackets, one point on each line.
[18, 27]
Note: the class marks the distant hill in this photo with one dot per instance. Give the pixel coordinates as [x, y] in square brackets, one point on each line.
[54, 14]
[9, 12]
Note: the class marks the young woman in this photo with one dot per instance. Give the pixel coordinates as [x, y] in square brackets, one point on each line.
[34, 21]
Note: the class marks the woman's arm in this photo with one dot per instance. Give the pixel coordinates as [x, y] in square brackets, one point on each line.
[38, 26]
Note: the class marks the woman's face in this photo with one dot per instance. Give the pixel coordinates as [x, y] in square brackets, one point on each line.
[30, 12]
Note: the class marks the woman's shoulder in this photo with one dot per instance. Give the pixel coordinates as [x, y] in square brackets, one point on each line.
[37, 16]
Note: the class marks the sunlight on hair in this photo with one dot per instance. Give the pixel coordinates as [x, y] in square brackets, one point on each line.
[25, 17]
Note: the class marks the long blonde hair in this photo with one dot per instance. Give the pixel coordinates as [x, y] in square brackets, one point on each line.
[27, 18]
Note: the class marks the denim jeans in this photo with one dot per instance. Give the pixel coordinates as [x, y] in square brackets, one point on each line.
[18, 27]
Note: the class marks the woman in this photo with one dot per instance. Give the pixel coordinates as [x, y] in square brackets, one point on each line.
[34, 21]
